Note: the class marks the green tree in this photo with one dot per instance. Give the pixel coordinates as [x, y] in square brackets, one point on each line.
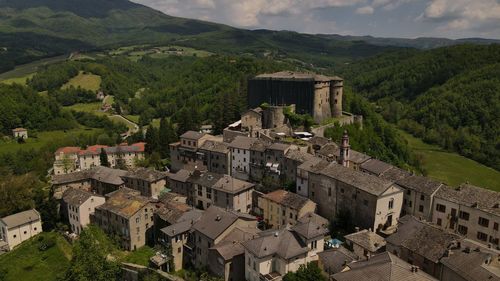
[90, 258]
[152, 140]
[167, 135]
[309, 272]
[103, 157]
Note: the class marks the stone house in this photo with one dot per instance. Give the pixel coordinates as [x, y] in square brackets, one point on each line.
[178, 183]
[365, 243]
[20, 133]
[421, 244]
[213, 226]
[281, 208]
[274, 253]
[314, 164]
[418, 197]
[80, 205]
[240, 152]
[371, 202]
[216, 157]
[185, 155]
[258, 160]
[335, 260]
[17, 228]
[251, 121]
[148, 181]
[471, 211]
[293, 159]
[66, 160]
[128, 216]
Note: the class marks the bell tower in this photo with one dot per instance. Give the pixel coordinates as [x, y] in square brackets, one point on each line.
[344, 150]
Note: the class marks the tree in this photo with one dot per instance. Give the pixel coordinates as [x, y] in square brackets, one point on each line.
[309, 272]
[167, 135]
[17, 193]
[152, 140]
[103, 156]
[90, 262]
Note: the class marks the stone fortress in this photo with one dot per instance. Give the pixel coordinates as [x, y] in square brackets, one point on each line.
[314, 94]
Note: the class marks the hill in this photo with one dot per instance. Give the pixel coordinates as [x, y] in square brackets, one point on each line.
[448, 96]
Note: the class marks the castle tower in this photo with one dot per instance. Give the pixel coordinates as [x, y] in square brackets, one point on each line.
[344, 150]
[336, 93]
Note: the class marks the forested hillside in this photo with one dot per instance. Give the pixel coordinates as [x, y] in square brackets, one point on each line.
[448, 96]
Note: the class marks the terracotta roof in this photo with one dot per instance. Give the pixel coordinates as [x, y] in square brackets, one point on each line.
[288, 199]
[368, 240]
[21, 218]
[68, 150]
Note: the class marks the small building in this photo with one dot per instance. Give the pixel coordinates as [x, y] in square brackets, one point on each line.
[382, 267]
[17, 228]
[178, 183]
[422, 244]
[281, 208]
[216, 157]
[20, 133]
[185, 155]
[365, 243]
[80, 205]
[335, 260]
[148, 181]
[312, 165]
[240, 162]
[274, 253]
[418, 197]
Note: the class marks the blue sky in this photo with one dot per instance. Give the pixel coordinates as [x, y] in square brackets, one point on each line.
[381, 18]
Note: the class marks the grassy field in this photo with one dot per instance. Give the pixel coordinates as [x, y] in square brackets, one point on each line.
[42, 139]
[140, 256]
[109, 100]
[120, 120]
[133, 118]
[89, 82]
[94, 107]
[27, 262]
[452, 168]
[18, 80]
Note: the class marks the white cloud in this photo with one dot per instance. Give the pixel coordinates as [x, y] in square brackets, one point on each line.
[453, 15]
[366, 10]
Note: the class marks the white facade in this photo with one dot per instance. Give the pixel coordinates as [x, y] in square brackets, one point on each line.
[388, 207]
[21, 229]
[240, 164]
[79, 215]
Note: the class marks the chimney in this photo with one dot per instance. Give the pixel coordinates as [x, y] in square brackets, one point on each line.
[276, 234]
[356, 229]
[218, 218]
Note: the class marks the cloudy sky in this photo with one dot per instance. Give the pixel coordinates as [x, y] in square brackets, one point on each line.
[394, 18]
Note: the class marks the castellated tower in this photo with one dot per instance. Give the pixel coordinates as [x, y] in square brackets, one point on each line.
[344, 150]
[336, 93]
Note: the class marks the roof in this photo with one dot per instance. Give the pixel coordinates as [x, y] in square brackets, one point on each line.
[336, 259]
[317, 219]
[259, 145]
[124, 202]
[172, 211]
[472, 265]
[422, 238]
[76, 197]
[376, 166]
[215, 146]
[358, 157]
[382, 267]
[318, 141]
[137, 147]
[314, 164]
[283, 243]
[242, 142]
[310, 229]
[420, 184]
[215, 221]
[331, 149]
[108, 175]
[180, 176]
[19, 130]
[207, 179]
[231, 245]
[299, 156]
[21, 218]
[367, 239]
[472, 196]
[395, 174]
[232, 185]
[184, 223]
[192, 135]
[366, 182]
[288, 199]
[298, 76]
[279, 146]
[68, 150]
[145, 174]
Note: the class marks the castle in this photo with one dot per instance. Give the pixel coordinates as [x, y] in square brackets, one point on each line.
[317, 95]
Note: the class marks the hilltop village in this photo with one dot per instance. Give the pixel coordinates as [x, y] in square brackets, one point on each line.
[262, 200]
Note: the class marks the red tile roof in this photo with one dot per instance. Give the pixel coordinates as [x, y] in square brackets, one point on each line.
[68, 150]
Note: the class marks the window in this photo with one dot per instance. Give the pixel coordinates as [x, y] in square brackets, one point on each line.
[314, 244]
[495, 226]
[422, 197]
[341, 190]
[365, 202]
[462, 229]
[391, 203]
[330, 192]
[439, 222]
[440, 208]
[291, 215]
[408, 192]
[482, 236]
[483, 222]
[463, 215]
[421, 208]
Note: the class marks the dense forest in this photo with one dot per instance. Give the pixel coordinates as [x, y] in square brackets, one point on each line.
[448, 96]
